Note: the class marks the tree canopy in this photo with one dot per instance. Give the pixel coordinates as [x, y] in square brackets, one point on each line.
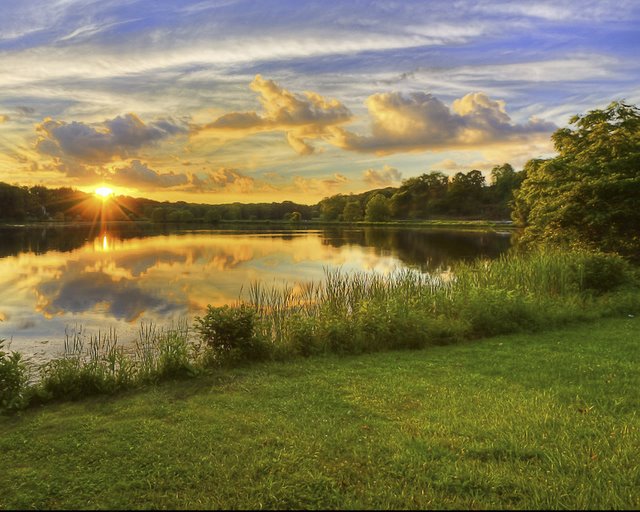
[590, 193]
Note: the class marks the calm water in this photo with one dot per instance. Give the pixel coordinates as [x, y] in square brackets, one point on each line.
[52, 279]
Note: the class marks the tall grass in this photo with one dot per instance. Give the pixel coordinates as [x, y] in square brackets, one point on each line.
[364, 312]
[94, 364]
[345, 313]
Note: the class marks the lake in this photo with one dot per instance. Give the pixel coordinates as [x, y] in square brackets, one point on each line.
[54, 279]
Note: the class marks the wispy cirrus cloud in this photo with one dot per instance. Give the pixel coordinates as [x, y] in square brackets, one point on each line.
[385, 77]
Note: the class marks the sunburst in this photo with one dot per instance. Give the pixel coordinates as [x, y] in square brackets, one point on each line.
[104, 193]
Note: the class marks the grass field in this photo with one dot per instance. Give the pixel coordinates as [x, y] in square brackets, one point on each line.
[522, 421]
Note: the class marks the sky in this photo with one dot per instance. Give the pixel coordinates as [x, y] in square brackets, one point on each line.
[215, 101]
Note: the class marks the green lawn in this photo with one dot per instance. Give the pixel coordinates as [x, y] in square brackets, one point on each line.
[520, 421]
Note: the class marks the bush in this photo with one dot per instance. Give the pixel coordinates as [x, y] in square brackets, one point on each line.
[303, 338]
[601, 273]
[491, 311]
[13, 380]
[229, 333]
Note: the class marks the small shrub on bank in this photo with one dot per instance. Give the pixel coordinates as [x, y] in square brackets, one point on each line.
[13, 380]
[601, 273]
[304, 337]
[229, 333]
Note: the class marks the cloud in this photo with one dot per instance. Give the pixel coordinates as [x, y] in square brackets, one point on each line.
[139, 175]
[24, 110]
[386, 177]
[120, 137]
[301, 116]
[319, 185]
[4, 118]
[420, 122]
[223, 179]
[451, 165]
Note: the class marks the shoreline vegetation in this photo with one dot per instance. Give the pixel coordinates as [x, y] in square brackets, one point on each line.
[522, 421]
[344, 314]
[300, 224]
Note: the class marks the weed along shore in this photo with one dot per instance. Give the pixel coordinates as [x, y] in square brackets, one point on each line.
[521, 421]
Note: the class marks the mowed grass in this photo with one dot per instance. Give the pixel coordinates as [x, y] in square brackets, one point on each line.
[521, 421]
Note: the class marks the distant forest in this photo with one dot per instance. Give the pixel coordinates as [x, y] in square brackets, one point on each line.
[432, 195]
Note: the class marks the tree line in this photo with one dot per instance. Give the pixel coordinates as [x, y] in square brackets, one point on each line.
[431, 195]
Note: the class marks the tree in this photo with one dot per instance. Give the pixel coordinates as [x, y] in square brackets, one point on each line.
[589, 194]
[332, 207]
[420, 196]
[293, 217]
[352, 212]
[377, 209]
[504, 181]
[159, 214]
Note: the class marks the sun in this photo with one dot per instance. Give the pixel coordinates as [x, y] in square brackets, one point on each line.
[104, 192]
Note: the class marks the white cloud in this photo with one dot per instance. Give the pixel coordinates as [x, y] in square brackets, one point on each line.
[420, 122]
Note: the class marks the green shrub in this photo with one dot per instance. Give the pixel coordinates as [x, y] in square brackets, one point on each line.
[490, 311]
[13, 380]
[303, 338]
[339, 334]
[601, 273]
[229, 333]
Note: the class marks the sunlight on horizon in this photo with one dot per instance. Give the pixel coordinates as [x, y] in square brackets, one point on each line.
[104, 193]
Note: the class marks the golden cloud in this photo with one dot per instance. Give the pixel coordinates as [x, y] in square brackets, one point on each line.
[224, 179]
[384, 178]
[319, 185]
[302, 117]
[420, 121]
[139, 175]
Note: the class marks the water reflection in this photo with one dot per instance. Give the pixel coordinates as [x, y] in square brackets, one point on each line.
[53, 278]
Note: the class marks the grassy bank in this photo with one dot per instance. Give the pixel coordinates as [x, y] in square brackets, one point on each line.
[344, 314]
[529, 421]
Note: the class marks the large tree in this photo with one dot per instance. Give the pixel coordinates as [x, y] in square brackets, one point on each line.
[377, 209]
[590, 193]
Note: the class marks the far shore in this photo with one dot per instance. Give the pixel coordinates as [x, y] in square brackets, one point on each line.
[313, 223]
